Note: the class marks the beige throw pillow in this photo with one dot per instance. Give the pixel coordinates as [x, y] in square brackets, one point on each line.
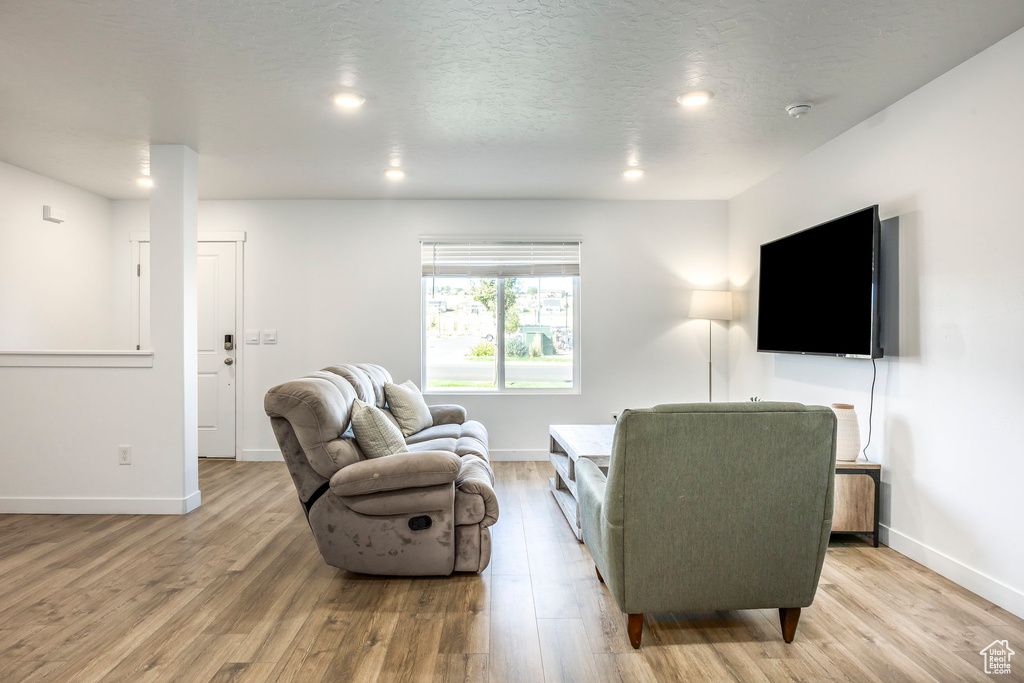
[407, 405]
[376, 435]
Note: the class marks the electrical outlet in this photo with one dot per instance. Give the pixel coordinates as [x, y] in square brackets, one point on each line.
[124, 455]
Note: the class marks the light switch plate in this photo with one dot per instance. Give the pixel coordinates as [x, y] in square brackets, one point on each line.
[252, 336]
[269, 336]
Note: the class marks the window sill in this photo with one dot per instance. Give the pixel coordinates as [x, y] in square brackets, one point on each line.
[76, 359]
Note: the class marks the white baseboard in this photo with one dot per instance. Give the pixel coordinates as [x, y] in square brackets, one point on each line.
[1007, 597]
[535, 455]
[100, 506]
[261, 455]
[191, 502]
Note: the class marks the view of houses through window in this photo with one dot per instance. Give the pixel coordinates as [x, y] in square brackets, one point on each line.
[499, 332]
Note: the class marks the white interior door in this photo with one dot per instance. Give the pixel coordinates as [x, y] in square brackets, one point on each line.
[215, 293]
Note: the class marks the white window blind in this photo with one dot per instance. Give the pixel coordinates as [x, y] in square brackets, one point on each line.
[500, 259]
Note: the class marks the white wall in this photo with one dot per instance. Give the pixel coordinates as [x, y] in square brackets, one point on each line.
[948, 160]
[340, 282]
[61, 424]
[61, 427]
[56, 286]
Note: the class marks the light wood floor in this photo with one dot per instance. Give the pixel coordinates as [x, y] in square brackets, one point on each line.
[236, 591]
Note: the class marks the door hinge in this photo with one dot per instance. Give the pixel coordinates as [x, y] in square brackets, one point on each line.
[138, 347]
[138, 270]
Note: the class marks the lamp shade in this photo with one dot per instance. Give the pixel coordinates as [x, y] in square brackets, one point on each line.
[708, 305]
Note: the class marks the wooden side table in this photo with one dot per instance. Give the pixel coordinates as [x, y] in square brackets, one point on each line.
[857, 498]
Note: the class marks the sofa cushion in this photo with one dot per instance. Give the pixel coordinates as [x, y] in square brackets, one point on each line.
[358, 379]
[468, 438]
[376, 435]
[433, 445]
[387, 413]
[407, 405]
[476, 430]
[470, 445]
[435, 432]
[378, 378]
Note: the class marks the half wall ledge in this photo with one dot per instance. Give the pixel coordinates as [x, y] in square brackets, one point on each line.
[76, 359]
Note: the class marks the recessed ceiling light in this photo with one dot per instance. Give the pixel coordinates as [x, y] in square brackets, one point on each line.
[145, 181]
[349, 100]
[394, 173]
[694, 99]
[633, 173]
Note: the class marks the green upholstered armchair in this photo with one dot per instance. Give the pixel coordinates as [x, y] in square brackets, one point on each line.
[712, 506]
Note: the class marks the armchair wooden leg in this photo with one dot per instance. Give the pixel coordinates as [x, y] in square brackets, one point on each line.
[788, 617]
[635, 629]
[599, 577]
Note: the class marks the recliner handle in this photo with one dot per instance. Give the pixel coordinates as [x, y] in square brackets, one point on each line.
[420, 523]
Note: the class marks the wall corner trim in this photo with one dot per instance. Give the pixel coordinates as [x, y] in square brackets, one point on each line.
[191, 502]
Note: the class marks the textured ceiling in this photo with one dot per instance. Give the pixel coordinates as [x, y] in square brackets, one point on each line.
[514, 98]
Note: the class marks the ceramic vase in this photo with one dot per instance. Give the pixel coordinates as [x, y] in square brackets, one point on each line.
[848, 436]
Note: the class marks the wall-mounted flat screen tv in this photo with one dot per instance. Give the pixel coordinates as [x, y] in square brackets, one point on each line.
[818, 289]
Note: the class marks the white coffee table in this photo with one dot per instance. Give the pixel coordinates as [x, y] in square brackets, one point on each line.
[569, 443]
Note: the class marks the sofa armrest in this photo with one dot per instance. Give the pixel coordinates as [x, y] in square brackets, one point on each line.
[603, 536]
[475, 478]
[447, 414]
[591, 483]
[394, 472]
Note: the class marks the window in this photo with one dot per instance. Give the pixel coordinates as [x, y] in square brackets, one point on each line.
[500, 316]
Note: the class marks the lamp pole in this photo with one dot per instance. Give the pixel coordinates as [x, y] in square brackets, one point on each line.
[709, 361]
[711, 306]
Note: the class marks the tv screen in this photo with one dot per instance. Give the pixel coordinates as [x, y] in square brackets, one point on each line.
[818, 289]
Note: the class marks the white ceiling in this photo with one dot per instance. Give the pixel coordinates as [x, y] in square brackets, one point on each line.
[511, 99]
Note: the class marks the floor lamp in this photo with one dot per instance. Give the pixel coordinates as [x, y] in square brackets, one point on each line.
[711, 305]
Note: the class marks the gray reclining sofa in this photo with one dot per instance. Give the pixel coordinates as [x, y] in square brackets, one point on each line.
[422, 513]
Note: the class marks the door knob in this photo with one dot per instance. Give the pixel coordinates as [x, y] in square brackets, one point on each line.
[229, 361]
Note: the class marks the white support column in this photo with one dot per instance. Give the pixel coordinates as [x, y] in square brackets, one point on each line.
[173, 227]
